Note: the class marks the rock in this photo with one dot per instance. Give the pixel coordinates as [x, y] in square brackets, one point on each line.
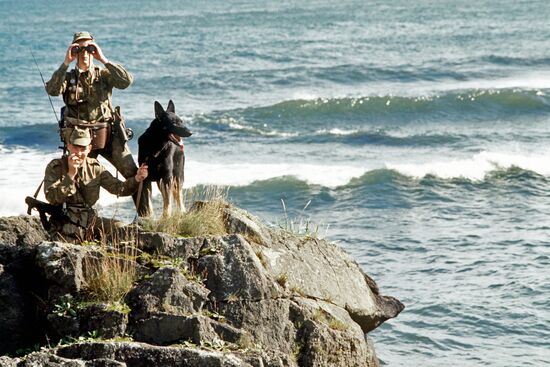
[61, 264]
[8, 362]
[19, 286]
[63, 326]
[163, 329]
[323, 346]
[319, 269]
[21, 231]
[268, 321]
[105, 362]
[166, 291]
[240, 221]
[387, 307]
[144, 355]
[258, 296]
[328, 336]
[165, 245]
[21, 325]
[44, 359]
[12, 317]
[163, 308]
[233, 270]
[49, 359]
[104, 322]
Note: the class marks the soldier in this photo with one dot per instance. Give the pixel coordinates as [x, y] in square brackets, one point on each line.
[74, 182]
[87, 91]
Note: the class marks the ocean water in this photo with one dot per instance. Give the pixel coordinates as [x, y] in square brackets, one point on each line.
[418, 132]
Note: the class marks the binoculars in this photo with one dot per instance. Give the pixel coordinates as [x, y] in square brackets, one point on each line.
[77, 49]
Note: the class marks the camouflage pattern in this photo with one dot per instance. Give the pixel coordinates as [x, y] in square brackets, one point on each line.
[87, 95]
[83, 35]
[81, 194]
[80, 137]
[90, 100]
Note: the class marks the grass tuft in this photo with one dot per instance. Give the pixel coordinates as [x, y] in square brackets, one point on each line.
[322, 316]
[300, 225]
[206, 216]
[108, 278]
[282, 279]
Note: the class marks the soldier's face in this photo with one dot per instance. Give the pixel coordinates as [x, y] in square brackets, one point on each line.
[79, 151]
[84, 57]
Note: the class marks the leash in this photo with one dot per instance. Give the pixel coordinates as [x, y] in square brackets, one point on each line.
[138, 201]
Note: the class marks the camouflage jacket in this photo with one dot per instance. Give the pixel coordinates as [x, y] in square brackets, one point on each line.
[87, 95]
[83, 192]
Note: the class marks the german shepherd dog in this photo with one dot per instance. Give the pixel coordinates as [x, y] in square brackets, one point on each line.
[161, 148]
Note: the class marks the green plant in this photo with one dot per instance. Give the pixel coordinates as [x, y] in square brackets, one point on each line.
[160, 261]
[213, 315]
[209, 250]
[219, 345]
[120, 339]
[65, 307]
[262, 258]
[297, 290]
[336, 324]
[108, 278]
[328, 298]
[119, 307]
[296, 350]
[300, 225]
[90, 243]
[24, 351]
[245, 342]
[185, 343]
[320, 315]
[282, 279]
[192, 275]
[232, 297]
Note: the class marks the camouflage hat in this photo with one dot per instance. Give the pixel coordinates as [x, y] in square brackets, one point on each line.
[82, 36]
[80, 136]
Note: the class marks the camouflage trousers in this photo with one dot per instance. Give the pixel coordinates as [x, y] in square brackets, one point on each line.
[118, 154]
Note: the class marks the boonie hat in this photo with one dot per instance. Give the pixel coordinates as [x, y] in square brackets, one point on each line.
[80, 137]
[82, 36]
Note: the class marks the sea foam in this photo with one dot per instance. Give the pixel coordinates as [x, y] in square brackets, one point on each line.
[24, 168]
[475, 167]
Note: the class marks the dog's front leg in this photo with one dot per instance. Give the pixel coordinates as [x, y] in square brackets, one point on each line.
[178, 197]
[164, 187]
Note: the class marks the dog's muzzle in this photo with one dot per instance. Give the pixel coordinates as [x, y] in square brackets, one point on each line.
[180, 131]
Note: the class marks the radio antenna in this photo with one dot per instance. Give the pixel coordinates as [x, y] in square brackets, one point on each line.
[43, 82]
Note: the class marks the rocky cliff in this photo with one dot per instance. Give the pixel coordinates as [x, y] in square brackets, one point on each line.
[258, 296]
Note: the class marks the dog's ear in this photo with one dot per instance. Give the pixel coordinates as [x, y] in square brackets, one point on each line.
[171, 107]
[158, 110]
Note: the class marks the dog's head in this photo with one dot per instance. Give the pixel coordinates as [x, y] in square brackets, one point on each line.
[169, 122]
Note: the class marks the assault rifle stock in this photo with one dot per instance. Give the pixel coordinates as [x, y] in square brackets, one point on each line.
[55, 211]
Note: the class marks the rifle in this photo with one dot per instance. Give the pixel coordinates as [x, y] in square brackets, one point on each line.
[54, 211]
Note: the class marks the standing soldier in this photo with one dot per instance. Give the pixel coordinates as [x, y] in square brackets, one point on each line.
[87, 91]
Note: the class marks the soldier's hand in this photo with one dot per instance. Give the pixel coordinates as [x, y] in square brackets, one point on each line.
[142, 172]
[69, 56]
[98, 54]
[73, 163]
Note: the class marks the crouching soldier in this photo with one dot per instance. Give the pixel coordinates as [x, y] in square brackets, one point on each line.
[73, 182]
